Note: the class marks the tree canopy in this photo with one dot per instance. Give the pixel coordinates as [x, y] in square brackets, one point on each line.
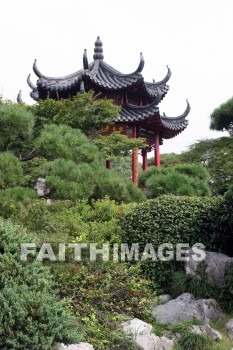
[222, 117]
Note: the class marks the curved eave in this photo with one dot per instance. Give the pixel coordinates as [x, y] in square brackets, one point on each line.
[152, 88]
[174, 125]
[46, 78]
[132, 113]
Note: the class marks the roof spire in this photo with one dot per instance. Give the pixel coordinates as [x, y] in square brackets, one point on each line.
[98, 55]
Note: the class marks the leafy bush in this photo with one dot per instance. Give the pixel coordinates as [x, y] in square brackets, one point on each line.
[172, 219]
[102, 294]
[11, 171]
[175, 183]
[12, 199]
[118, 188]
[69, 180]
[183, 179]
[31, 315]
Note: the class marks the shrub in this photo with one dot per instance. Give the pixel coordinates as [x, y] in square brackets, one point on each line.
[183, 179]
[65, 142]
[171, 219]
[101, 294]
[16, 126]
[11, 171]
[12, 199]
[118, 188]
[31, 315]
[69, 180]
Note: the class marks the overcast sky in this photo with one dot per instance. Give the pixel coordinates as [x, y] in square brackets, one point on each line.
[193, 37]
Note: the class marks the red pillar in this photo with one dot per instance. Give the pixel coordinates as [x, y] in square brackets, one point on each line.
[108, 164]
[135, 160]
[157, 154]
[144, 160]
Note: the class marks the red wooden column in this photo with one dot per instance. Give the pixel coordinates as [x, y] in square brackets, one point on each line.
[135, 160]
[157, 154]
[108, 164]
[144, 160]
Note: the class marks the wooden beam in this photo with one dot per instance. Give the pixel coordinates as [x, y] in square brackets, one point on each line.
[157, 152]
[144, 160]
[135, 159]
[108, 164]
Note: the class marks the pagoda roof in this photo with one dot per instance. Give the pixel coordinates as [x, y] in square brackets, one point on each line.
[149, 117]
[97, 74]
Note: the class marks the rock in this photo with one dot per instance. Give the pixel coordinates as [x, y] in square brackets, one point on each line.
[164, 298]
[229, 327]
[79, 346]
[215, 266]
[136, 327]
[187, 308]
[40, 187]
[152, 342]
[206, 330]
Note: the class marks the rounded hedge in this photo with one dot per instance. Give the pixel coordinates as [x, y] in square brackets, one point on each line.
[173, 219]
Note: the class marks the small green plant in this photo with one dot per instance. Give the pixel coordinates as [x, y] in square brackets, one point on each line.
[192, 341]
[197, 285]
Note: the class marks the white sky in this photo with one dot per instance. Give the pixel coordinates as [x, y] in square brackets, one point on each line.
[193, 37]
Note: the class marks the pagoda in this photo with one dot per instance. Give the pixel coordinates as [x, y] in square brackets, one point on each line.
[139, 115]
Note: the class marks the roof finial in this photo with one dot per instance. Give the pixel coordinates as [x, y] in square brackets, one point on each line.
[98, 55]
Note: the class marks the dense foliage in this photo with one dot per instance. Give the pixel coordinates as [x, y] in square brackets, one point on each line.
[83, 112]
[222, 117]
[183, 179]
[216, 156]
[31, 315]
[171, 219]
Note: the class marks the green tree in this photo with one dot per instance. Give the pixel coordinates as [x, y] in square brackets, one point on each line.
[216, 156]
[11, 171]
[83, 111]
[222, 117]
[62, 141]
[116, 145]
[16, 127]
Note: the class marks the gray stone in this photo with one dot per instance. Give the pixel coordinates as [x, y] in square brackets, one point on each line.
[40, 187]
[229, 327]
[164, 298]
[152, 342]
[215, 266]
[207, 330]
[136, 327]
[187, 308]
[79, 346]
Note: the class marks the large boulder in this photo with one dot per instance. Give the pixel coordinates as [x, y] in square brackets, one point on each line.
[79, 346]
[136, 327]
[215, 266]
[140, 334]
[187, 308]
[152, 342]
